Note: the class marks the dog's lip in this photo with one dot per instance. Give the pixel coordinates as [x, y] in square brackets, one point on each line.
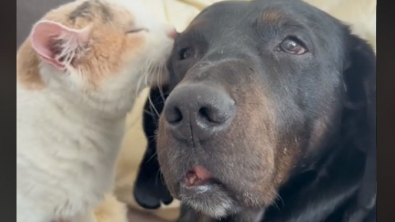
[198, 180]
[196, 176]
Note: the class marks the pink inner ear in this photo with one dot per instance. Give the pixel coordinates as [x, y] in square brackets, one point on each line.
[45, 32]
[42, 37]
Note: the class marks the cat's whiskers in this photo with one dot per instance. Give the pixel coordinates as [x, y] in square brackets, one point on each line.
[144, 72]
[152, 105]
[161, 93]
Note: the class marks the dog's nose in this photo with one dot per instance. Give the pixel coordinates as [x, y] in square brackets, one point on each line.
[198, 111]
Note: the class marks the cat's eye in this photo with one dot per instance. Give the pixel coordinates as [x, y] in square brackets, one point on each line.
[293, 46]
[136, 30]
[184, 53]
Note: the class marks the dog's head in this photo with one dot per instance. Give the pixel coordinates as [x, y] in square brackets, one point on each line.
[259, 90]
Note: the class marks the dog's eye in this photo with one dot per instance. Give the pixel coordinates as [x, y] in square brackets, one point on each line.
[293, 46]
[185, 53]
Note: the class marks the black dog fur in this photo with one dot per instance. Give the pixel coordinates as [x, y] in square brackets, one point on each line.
[340, 187]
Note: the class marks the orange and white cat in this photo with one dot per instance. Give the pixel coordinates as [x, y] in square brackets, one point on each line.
[78, 75]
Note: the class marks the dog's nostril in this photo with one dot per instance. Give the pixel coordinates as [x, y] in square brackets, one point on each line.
[198, 111]
[213, 115]
[175, 116]
[204, 112]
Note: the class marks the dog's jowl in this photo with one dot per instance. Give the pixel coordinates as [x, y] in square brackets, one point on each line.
[270, 116]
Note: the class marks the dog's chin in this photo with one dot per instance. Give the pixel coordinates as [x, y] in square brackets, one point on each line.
[210, 198]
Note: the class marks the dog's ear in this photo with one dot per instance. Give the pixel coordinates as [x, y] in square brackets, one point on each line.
[360, 87]
[360, 80]
[149, 189]
[360, 116]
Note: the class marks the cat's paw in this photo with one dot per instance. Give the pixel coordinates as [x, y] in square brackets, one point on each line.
[111, 210]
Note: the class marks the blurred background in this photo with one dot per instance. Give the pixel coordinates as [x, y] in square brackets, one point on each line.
[359, 14]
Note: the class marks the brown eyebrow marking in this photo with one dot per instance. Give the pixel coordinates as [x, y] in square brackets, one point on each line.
[84, 10]
[272, 15]
[105, 11]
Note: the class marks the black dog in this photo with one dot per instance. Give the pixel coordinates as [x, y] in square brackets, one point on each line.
[270, 115]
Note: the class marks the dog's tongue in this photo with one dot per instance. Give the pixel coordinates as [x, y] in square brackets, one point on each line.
[197, 176]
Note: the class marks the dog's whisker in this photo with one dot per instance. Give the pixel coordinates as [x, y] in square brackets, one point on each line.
[158, 175]
[153, 155]
[279, 197]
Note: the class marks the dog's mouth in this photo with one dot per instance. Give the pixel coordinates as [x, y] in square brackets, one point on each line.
[202, 191]
[198, 180]
[197, 176]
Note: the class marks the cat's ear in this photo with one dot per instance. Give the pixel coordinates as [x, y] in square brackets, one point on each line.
[57, 44]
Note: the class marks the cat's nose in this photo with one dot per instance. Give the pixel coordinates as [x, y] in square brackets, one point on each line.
[172, 33]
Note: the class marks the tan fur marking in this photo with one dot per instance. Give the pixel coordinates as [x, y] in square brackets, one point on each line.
[109, 46]
[320, 127]
[107, 50]
[89, 9]
[106, 13]
[27, 64]
[84, 10]
[108, 53]
[264, 139]
[272, 15]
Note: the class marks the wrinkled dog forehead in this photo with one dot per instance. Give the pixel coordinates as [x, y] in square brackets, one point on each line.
[237, 20]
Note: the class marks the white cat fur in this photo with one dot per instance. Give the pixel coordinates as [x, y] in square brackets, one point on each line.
[70, 120]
